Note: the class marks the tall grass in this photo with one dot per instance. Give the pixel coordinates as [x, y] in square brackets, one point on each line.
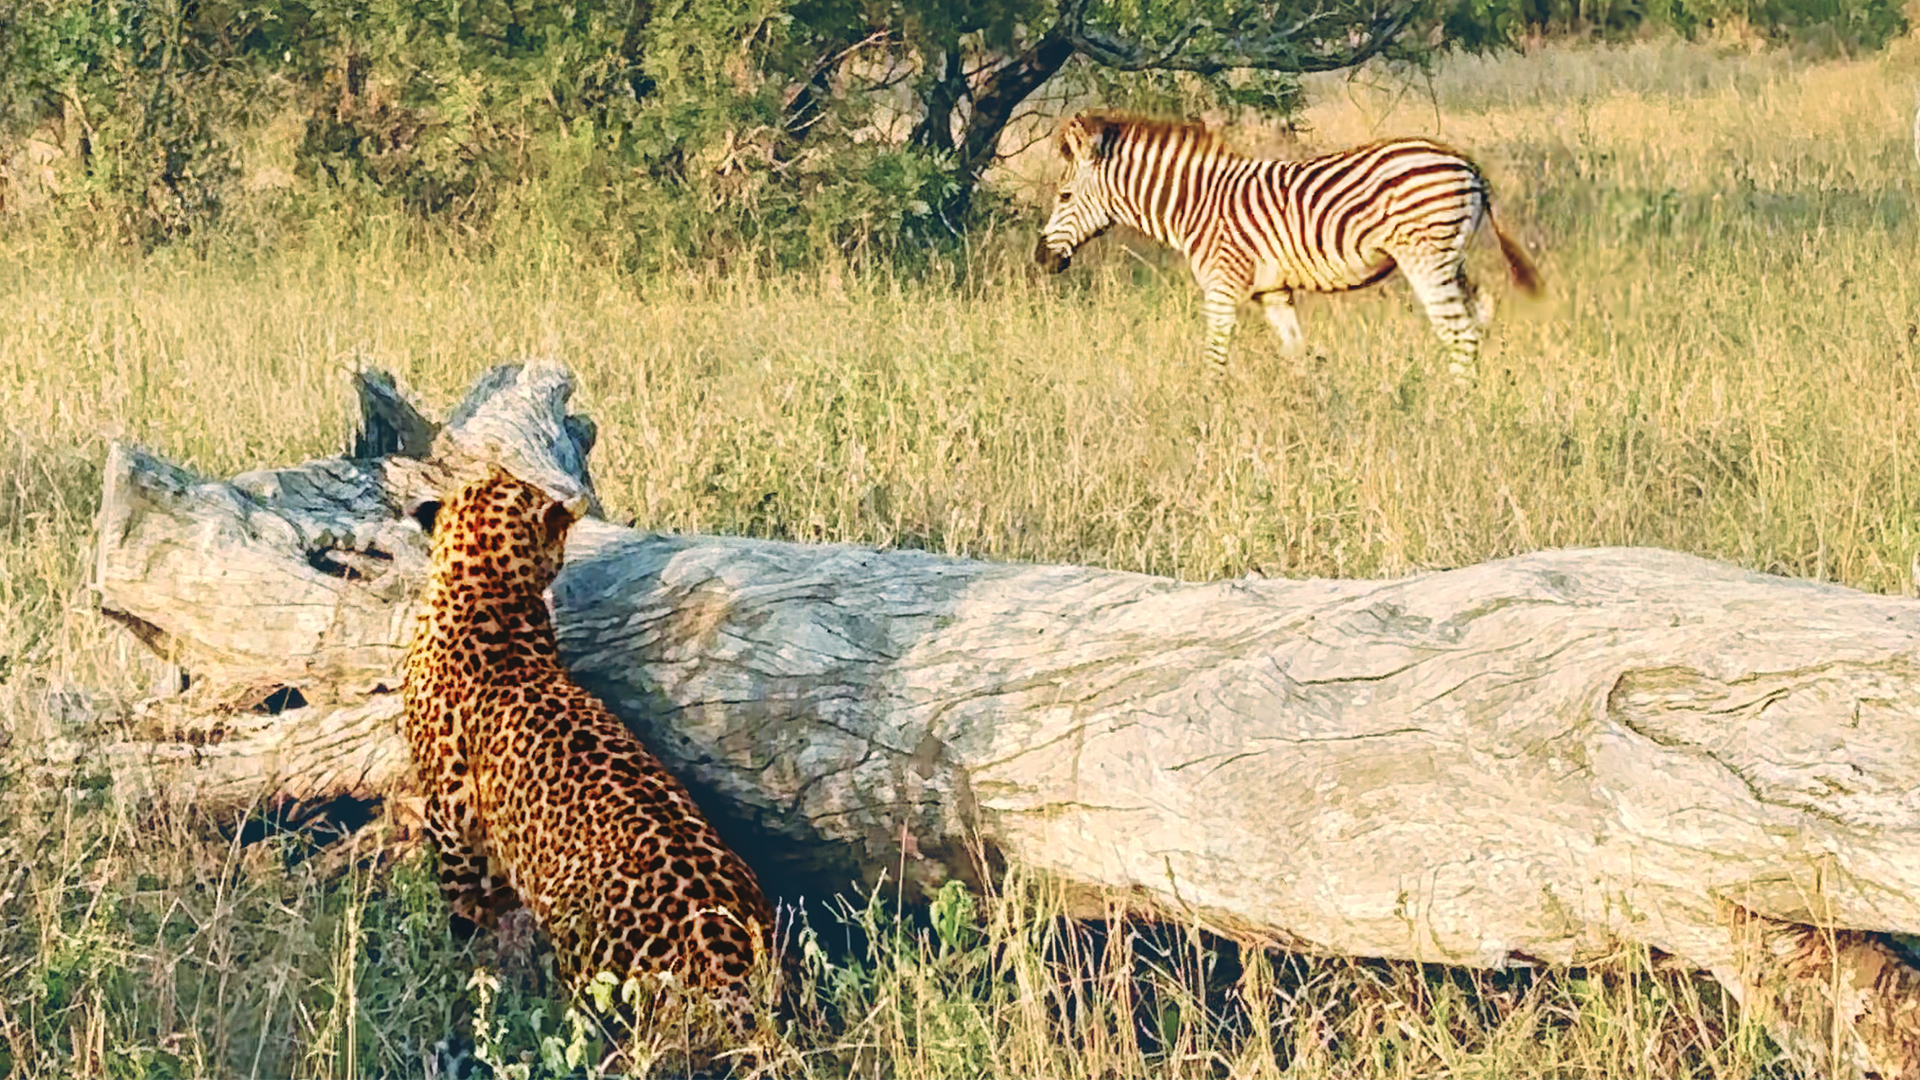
[1725, 364]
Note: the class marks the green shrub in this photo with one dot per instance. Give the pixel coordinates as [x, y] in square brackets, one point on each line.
[768, 132]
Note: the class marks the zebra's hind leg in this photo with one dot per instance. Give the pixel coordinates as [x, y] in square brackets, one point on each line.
[1219, 305]
[1482, 304]
[1449, 297]
[1285, 320]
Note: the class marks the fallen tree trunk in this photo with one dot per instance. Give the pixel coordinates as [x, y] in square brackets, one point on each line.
[1532, 759]
[281, 600]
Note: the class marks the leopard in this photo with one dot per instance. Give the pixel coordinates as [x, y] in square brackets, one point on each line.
[536, 794]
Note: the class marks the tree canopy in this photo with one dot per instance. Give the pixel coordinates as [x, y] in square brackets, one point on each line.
[763, 129]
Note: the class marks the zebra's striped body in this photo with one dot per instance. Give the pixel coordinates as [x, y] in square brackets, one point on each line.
[1262, 229]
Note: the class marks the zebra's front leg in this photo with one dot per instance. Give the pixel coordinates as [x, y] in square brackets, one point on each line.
[1285, 320]
[1219, 305]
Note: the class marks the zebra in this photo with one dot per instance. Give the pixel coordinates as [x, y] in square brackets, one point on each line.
[1267, 229]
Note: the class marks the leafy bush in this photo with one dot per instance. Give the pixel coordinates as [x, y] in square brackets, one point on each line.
[764, 131]
[151, 103]
[1857, 24]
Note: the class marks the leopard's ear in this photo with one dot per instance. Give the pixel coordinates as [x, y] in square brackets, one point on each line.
[556, 521]
[425, 513]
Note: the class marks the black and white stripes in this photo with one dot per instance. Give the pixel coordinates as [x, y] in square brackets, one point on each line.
[1266, 229]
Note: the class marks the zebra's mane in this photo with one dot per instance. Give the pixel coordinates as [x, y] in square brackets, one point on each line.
[1109, 128]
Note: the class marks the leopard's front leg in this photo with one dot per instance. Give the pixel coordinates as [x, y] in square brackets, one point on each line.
[477, 898]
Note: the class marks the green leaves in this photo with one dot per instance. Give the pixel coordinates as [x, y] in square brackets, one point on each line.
[1479, 24]
[671, 132]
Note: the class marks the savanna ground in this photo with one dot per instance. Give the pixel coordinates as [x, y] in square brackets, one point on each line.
[1725, 364]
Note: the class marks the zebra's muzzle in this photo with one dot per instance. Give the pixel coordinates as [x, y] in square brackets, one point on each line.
[1050, 260]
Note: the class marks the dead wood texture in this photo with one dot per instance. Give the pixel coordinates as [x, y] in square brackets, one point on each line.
[1534, 759]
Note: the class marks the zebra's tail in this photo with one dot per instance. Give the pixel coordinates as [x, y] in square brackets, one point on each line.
[1526, 276]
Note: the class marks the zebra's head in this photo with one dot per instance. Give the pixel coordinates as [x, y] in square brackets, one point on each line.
[1080, 210]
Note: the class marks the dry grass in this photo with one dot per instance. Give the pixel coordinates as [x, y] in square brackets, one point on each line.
[1726, 364]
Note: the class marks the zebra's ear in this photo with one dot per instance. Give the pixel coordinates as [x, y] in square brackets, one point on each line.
[1104, 134]
[1072, 139]
[1086, 138]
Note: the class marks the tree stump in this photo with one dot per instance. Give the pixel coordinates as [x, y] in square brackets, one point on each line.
[1530, 760]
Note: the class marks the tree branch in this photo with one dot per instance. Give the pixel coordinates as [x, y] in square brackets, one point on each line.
[632, 44]
[1272, 48]
[808, 104]
[944, 88]
[1003, 92]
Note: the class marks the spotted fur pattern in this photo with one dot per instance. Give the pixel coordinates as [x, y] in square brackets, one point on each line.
[537, 794]
[1261, 229]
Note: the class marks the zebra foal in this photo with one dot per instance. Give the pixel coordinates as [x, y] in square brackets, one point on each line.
[1268, 229]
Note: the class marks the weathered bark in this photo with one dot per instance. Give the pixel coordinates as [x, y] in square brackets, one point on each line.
[1531, 759]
